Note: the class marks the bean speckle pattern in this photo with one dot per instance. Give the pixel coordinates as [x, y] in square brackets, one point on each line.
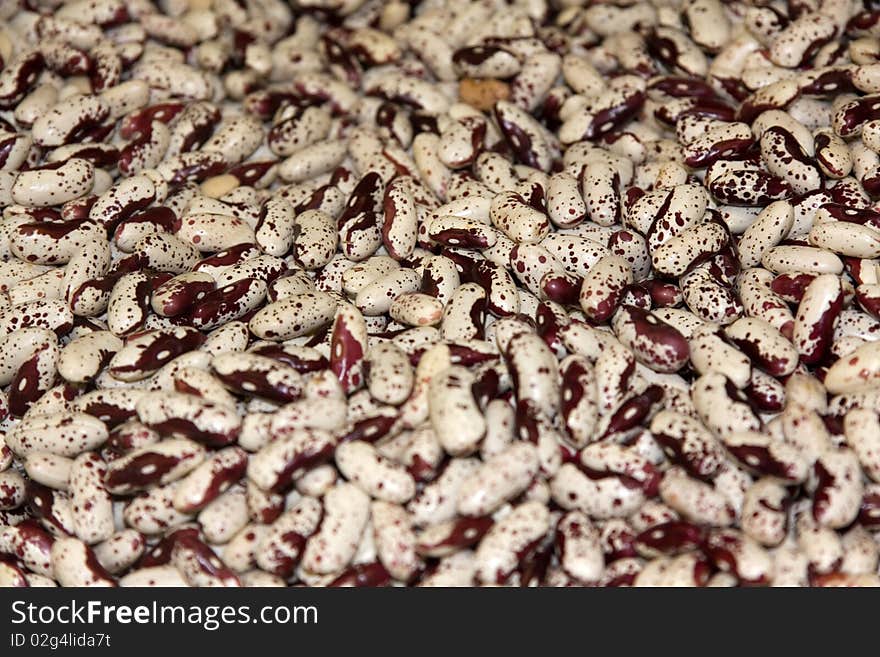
[440, 293]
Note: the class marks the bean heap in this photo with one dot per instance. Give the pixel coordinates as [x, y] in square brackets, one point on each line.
[440, 293]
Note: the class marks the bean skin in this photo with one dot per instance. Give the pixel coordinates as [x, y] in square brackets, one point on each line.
[498, 296]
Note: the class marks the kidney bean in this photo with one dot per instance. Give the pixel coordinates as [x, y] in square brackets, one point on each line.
[687, 443]
[75, 564]
[91, 504]
[601, 497]
[276, 465]
[837, 490]
[64, 434]
[48, 469]
[654, 343]
[228, 303]
[443, 225]
[29, 543]
[382, 479]
[280, 548]
[258, 375]
[688, 249]
[817, 312]
[188, 416]
[159, 463]
[331, 548]
[509, 541]
[146, 352]
[694, 499]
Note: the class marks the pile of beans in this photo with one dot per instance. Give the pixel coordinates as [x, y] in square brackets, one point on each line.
[440, 293]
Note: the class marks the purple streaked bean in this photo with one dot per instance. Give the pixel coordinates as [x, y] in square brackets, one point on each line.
[642, 257]
[91, 503]
[654, 343]
[75, 564]
[188, 416]
[331, 548]
[258, 375]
